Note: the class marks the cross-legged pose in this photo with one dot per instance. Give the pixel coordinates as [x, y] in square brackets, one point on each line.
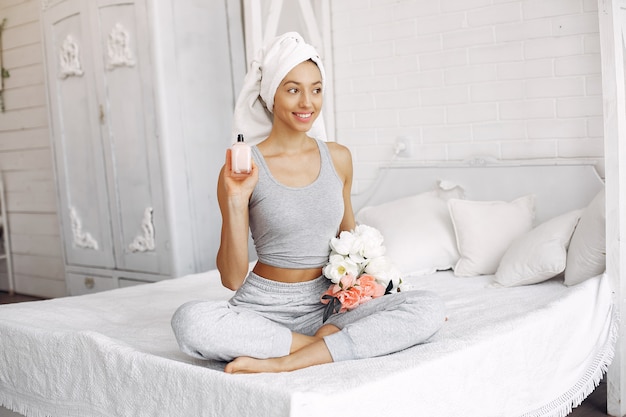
[294, 200]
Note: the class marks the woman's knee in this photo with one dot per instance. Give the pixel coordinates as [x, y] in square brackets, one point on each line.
[428, 307]
[427, 300]
[194, 325]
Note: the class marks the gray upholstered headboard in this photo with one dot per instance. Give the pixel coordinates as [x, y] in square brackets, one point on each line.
[559, 186]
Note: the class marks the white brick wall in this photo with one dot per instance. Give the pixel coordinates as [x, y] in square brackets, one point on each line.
[466, 78]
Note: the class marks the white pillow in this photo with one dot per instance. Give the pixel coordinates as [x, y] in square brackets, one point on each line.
[485, 229]
[539, 254]
[586, 256]
[417, 230]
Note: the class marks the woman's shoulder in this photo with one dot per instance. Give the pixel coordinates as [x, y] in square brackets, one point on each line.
[339, 151]
[342, 159]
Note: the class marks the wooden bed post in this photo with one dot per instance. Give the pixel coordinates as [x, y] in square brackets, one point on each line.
[612, 15]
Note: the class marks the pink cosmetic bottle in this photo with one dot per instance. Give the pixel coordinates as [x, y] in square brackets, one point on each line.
[241, 157]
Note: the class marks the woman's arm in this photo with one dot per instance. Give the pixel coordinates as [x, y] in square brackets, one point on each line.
[342, 159]
[233, 195]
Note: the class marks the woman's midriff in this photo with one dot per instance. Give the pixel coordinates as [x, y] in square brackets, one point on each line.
[286, 274]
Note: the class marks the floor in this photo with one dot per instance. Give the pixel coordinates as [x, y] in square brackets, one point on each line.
[593, 406]
[6, 298]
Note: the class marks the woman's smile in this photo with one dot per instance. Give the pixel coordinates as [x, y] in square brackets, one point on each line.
[303, 116]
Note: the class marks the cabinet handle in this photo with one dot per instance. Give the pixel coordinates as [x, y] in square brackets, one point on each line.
[89, 283]
[101, 115]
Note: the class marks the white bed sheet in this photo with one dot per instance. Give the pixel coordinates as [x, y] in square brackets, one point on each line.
[534, 350]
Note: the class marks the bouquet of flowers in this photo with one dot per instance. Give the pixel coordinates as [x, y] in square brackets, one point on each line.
[358, 269]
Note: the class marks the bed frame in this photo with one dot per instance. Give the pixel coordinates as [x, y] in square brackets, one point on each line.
[559, 185]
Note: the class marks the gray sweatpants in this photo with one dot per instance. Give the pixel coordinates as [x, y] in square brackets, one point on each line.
[259, 319]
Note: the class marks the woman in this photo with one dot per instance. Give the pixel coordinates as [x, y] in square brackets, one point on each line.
[295, 199]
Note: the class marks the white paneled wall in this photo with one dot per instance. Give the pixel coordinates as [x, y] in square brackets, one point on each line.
[26, 159]
[465, 78]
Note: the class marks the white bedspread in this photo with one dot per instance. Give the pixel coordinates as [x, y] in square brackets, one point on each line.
[533, 350]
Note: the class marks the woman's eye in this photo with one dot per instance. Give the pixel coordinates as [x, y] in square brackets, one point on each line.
[292, 90]
[317, 91]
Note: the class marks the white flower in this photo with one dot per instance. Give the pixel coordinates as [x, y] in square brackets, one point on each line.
[369, 233]
[370, 241]
[338, 266]
[356, 255]
[378, 265]
[344, 243]
[385, 272]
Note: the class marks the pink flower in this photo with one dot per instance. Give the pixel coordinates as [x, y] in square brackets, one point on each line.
[351, 292]
[330, 291]
[350, 298]
[370, 287]
[347, 281]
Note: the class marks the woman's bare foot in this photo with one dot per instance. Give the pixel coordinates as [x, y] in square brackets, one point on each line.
[246, 365]
[314, 354]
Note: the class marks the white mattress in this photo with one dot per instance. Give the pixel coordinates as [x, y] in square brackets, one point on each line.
[534, 350]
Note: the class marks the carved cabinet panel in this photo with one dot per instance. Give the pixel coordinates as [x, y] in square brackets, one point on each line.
[104, 131]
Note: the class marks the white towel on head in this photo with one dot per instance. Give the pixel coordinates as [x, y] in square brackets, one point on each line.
[253, 110]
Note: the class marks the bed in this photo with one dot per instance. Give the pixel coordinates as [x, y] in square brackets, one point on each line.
[523, 340]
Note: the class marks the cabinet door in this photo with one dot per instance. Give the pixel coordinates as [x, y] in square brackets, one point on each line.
[76, 136]
[130, 136]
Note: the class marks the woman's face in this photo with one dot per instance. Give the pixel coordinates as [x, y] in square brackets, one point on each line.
[298, 98]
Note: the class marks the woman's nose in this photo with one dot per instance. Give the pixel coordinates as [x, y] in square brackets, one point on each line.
[305, 99]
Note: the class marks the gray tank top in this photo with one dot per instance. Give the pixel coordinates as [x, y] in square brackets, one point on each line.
[292, 226]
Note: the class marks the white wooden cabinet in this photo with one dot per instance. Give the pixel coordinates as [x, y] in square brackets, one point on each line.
[118, 159]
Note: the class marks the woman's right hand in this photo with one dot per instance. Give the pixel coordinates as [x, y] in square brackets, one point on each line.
[232, 184]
